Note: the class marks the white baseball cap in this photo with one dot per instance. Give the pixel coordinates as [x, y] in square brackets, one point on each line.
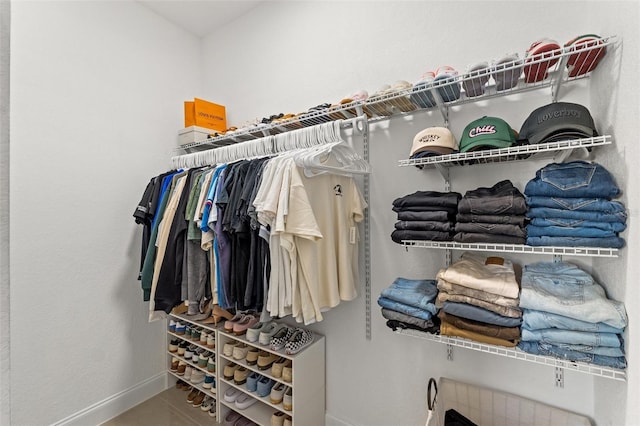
[433, 141]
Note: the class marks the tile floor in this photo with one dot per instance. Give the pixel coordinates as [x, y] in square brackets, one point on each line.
[168, 408]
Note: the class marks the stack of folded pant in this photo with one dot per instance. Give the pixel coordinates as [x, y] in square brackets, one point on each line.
[568, 315]
[478, 297]
[492, 215]
[570, 205]
[425, 215]
[410, 304]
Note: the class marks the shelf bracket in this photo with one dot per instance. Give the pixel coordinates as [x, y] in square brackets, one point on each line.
[559, 377]
[449, 352]
[555, 87]
[444, 172]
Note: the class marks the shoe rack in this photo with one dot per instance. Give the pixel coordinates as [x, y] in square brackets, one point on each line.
[171, 356]
[308, 382]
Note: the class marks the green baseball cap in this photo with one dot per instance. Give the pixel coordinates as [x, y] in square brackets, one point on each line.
[487, 133]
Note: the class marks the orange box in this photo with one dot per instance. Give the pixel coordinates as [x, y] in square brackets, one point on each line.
[205, 114]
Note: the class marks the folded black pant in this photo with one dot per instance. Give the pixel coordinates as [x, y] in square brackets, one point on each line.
[399, 235]
[424, 225]
[491, 228]
[472, 237]
[428, 198]
[439, 215]
[501, 199]
[486, 218]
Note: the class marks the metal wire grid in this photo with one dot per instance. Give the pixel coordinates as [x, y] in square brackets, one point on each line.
[514, 248]
[595, 370]
[514, 153]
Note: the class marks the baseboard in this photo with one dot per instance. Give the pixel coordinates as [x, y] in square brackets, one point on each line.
[334, 421]
[114, 405]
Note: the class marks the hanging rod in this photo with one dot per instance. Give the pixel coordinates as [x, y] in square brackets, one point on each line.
[267, 145]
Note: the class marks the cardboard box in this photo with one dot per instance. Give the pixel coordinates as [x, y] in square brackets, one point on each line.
[205, 114]
[193, 134]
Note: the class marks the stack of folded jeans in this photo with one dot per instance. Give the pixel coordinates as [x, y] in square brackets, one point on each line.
[478, 297]
[492, 215]
[409, 303]
[425, 215]
[568, 315]
[570, 205]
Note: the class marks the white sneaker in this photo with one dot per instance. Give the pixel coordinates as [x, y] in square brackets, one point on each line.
[267, 333]
[197, 376]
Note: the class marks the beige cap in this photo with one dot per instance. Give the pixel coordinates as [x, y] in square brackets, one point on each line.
[434, 140]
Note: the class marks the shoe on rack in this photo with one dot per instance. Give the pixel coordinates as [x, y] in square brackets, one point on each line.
[281, 337]
[231, 394]
[180, 328]
[264, 386]
[300, 339]
[195, 333]
[197, 376]
[230, 370]
[266, 334]
[277, 393]
[196, 355]
[276, 368]
[287, 400]
[203, 337]
[212, 411]
[192, 395]
[203, 358]
[182, 347]
[240, 351]
[421, 97]
[228, 324]
[209, 381]
[252, 381]
[506, 72]
[244, 401]
[241, 326]
[541, 55]
[173, 345]
[266, 360]
[182, 367]
[211, 341]
[187, 372]
[240, 376]
[188, 353]
[277, 418]
[174, 364]
[447, 83]
[197, 401]
[287, 372]
[232, 417]
[227, 350]
[475, 79]
[252, 356]
[207, 403]
[288, 421]
[211, 364]
[253, 332]
[180, 385]
[172, 326]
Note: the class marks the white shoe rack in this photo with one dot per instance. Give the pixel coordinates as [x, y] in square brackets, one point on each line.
[308, 378]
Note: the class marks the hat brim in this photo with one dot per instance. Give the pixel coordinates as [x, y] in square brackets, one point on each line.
[431, 151]
[486, 144]
[563, 132]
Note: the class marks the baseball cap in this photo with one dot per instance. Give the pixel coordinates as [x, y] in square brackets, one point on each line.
[487, 133]
[558, 121]
[433, 141]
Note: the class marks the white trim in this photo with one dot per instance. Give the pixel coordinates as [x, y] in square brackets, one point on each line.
[114, 405]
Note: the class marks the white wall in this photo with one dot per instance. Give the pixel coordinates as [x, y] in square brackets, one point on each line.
[288, 56]
[96, 102]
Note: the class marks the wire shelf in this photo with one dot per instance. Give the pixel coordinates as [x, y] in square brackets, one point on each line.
[595, 370]
[514, 153]
[454, 90]
[514, 248]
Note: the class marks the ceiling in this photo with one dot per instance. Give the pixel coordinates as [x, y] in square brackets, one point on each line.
[200, 17]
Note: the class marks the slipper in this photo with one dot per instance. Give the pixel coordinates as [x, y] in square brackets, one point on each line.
[419, 96]
[476, 78]
[374, 105]
[506, 72]
[588, 56]
[448, 92]
[541, 55]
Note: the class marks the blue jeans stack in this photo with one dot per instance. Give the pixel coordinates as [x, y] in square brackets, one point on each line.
[566, 314]
[570, 205]
[408, 303]
[492, 215]
[425, 215]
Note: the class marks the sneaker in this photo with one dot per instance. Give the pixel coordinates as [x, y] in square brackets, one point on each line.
[203, 358]
[230, 370]
[173, 345]
[240, 376]
[506, 72]
[277, 418]
[476, 78]
[264, 386]
[187, 332]
[195, 333]
[252, 356]
[228, 347]
[253, 332]
[266, 334]
[288, 421]
[228, 324]
[277, 393]
[541, 55]
[212, 411]
[244, 401]
[287, 372]
[182, 347]
[241, 327]
[447, 83]
[266, 360]
[203, 337]
[231, 394]
[188, 353]
[211, 364]
[172, 326]
[192, 395]
[252, 381]
[280, 338]
[197, 401]
[298, 341]
[174, 364]
[209, 379]
[180, 328]
[287, 400]
[187, 372]
[276, 369]
[240, 351]
[197, 376]
[182, 367]
[207, 403]
[211, 341]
